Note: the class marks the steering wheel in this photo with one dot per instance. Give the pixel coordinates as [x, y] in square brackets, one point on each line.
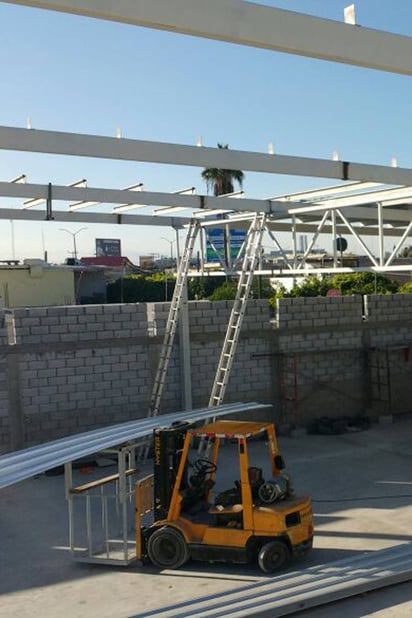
[268, 492]
[203, 466]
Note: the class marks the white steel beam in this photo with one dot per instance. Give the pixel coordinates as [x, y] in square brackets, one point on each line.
[383, 197]
[283, 271]
[96, 217]
[254, 25]
[119, 196]
[96, 146]
[368, 215]
[175, 222]
[307, 228]
[314, 194]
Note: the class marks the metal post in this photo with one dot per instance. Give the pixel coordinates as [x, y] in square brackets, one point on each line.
[68, 484]
[122, 499]
[49, 203]
[185, 355]
[335, 249]
[295, 257]
[89, 525]
[381, 237]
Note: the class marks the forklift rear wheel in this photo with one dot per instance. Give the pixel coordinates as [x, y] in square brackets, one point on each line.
[273, 556]
[167, 549]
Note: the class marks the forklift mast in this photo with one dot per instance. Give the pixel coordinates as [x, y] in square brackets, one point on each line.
[168, 446]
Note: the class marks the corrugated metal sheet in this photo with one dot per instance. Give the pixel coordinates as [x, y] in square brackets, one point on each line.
[293, 592]
[21, 465]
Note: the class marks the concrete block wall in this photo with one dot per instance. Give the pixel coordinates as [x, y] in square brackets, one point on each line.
[76, 368]
[325, 347]
[208, 324]
[80, 367]
[319, 312]
[392, 345]
[76, 324]
[251, 377]
[388, 308]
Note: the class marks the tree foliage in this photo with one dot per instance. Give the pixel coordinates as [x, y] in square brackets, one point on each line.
[347, 284]
[406, 288]
[221, 181]
[140, 288]
[159, 287]
[364, 283]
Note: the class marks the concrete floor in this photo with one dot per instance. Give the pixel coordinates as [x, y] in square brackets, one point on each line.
[355, 481]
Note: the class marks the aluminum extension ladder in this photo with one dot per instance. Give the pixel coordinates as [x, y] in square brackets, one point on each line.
[251, 259]
[172, 319]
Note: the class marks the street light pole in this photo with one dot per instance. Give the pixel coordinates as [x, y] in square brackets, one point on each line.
[171, 242]
[73, 234]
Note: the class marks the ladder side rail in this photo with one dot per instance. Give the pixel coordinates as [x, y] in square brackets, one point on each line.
[252, 253]
[172, 321]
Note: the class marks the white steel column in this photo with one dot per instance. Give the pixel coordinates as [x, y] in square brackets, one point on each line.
[381, 237]
[335, 249]
[295, 257]
[184, 340]
[254, 25]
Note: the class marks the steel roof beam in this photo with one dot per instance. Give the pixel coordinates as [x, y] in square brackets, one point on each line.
[96, 146]
[366, 214]
[164, 221]
[313, 194]
[83, 217]
[253, 25]
[120, 196]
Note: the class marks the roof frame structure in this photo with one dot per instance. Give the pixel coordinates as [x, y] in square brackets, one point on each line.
[384, 211]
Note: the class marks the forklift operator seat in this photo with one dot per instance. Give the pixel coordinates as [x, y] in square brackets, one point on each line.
[255, 477]
[234, 495]
[199, 486]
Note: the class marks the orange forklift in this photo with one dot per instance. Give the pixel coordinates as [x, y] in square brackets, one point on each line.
[257, 519]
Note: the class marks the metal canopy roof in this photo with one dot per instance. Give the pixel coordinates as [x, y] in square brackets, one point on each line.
[230, 429]
[21, 465]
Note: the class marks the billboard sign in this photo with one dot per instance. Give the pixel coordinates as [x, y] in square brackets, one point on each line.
[108, 247]
[215, 244]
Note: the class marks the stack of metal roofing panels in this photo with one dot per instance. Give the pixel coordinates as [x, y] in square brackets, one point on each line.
[21, 465]
[294, 592]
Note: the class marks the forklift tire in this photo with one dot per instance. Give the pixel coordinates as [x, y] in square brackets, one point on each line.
[273, 556]
[167, 548]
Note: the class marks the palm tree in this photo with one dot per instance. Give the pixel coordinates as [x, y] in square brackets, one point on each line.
[221, 181]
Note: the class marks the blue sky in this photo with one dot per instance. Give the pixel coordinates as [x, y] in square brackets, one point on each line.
[89, 76]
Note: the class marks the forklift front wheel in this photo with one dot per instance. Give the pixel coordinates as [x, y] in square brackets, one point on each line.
[273, 556]
[167, 549]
